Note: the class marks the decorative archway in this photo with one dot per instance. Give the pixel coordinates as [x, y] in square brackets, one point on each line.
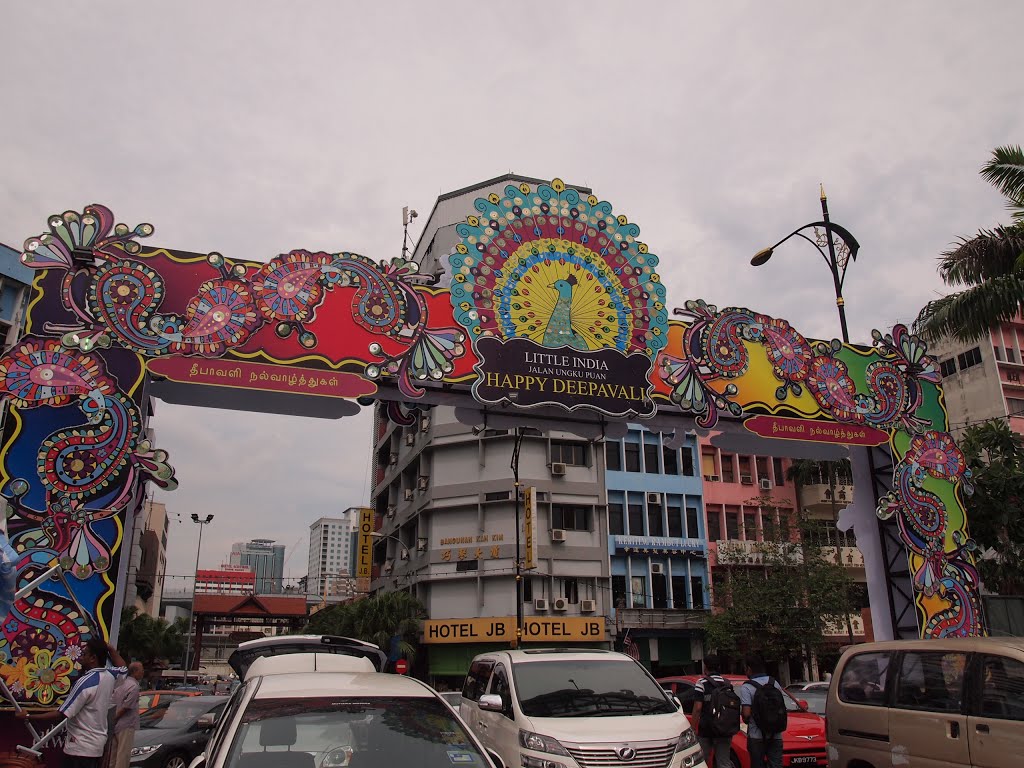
[555, 305]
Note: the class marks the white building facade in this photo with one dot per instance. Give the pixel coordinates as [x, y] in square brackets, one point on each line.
[331, 546]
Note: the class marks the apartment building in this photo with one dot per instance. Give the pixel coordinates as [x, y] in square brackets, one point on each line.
[331, 547]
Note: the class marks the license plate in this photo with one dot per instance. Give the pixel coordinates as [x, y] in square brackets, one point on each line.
[803, 760]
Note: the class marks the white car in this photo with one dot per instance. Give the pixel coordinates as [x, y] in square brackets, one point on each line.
[330, 710]
[565, 708]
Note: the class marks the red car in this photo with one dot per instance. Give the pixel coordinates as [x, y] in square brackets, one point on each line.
[803, 743]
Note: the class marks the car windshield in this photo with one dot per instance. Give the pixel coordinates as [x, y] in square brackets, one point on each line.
[178, 714]
[340, 732]
[587, 688]
[815, 700]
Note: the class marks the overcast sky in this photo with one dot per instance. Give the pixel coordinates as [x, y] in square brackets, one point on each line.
[253, 128]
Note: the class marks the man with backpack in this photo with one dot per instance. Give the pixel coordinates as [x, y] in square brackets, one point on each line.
[716, 710]
[764, 711]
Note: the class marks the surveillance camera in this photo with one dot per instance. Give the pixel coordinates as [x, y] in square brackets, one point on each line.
[413, 214]
[477, 430]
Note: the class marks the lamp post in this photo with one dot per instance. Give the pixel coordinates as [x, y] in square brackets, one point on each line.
[837, 257]
[202, 522]
[519, 559]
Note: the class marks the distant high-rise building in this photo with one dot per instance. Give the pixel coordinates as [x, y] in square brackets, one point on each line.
[264, 558]
[226, 580]
[331, 544]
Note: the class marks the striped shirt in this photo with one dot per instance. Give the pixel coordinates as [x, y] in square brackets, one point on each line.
[86, 711]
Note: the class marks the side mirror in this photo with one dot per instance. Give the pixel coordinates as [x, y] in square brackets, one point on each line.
[491, 702]
[498, 762]
[802, 703]
[206, 721]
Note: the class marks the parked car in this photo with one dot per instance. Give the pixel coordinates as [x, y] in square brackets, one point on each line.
[335, 710]
[151, 699]
[171, 736]
[803, 743]
[549, 708]
[945, 703]
[817, 685]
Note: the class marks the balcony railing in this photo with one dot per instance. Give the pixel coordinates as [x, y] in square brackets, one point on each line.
[660, 618]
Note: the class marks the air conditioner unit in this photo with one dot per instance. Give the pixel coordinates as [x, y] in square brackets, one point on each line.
[654, 498]
[540, 604]
[393, 459]
[391, 510]
[410, 439]
[423, 483]
[557, 468]
[711, 478]
[389, 566]
[657, 569]
[588, 606]
[766, 484]
[559, 604]
[404, 554]
[424, 424]
[746, 480]
[557, 534]
[421, 545]
[409, 494]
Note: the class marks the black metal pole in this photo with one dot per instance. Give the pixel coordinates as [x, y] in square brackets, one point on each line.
[834, 267]
[519, 561]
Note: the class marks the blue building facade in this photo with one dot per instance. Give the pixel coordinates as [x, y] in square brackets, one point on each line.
[15, 286]
[657, 544]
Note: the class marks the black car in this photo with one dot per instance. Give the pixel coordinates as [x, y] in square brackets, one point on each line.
[169, 737]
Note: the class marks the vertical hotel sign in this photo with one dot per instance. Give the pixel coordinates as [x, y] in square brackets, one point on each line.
[365, 544]
[529, 526]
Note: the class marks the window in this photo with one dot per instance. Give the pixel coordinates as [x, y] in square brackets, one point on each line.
[467, 565]
[636, 519]
[570, 517]
[749, 525]
[728, 471]
[497, 495]
[476, 680]
[651, 458]
[999, 353]
[679, 592]
[499, 687]
[746, 473]
[1011, 356]
[692, 522]
[780, 475]
[947, 368]
[574, 454]
[969, 359]
[616, 523]
[495, 432]
[688, 461]
[697, 591]
[619, 591]
[1013, 376]
[638, 586]
[863, 680]
[613, 456]
[932, 681]
[659, 591]
[632, 457]
[655, 523]
[571, 590]
[715, 524]
[732, 523]
[675, 523]
[527, 589]
[769, 530]
[670, 459]
[1002, 688]
[707, 464]
[1014, 406]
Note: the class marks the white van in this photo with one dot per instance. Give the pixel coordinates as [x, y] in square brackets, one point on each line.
[565, 708]
[955, 703]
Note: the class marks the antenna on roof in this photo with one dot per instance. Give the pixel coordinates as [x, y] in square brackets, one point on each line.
[408, 214]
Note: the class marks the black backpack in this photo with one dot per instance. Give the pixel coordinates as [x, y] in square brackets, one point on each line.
[721, 712]
[768, 708]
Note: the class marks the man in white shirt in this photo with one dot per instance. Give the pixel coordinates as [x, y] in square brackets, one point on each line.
[86, 706]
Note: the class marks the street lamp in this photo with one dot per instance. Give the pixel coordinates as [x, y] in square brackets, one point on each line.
[202, 522]
[519, 558]
[837, 257]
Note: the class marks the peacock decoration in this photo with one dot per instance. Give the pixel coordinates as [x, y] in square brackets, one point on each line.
[558, 269]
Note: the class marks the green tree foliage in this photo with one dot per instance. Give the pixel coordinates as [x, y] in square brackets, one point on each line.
[995, 511]
[987, 268]
[374, 619]
[777, 596]
[149, 640]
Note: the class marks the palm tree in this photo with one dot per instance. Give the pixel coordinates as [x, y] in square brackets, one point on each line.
[988, 268]
[376, 620]
[149, 640]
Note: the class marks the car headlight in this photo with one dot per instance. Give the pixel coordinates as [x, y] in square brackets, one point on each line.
[536, 741]
[686, 740]
[137, 751]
